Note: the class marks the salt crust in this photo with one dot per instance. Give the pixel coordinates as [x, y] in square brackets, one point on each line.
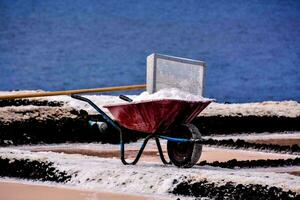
[255, 136]
[146, 177]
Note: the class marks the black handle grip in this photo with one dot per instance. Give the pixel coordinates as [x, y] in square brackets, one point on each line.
[125, 98]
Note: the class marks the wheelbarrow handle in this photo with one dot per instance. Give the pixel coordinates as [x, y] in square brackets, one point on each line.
[104, 115]
[125, 98]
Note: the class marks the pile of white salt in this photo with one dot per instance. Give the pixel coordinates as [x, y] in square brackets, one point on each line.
[170, 93]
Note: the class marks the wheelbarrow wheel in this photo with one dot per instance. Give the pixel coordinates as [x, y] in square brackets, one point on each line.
[185, 154]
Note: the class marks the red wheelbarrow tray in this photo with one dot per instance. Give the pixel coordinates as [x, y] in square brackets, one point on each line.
[156, 116]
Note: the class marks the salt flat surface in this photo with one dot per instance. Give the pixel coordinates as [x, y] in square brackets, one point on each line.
[152, 147]
[94, 145]
[255, 136]
[265, 108]
[272, 169]
[21, 113]
[97, 173]
[148, 177]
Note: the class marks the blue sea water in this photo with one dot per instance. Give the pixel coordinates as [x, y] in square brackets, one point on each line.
[252, 48]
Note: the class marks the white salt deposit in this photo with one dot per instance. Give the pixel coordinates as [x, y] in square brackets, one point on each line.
[146, 177]
[265, 108]
[255, 136]
[169, 93]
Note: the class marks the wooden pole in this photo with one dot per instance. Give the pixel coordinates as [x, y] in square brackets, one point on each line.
[69, 92]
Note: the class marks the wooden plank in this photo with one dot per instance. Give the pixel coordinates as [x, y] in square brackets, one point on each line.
[69, 92]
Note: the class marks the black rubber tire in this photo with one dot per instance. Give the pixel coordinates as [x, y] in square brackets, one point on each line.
[187, 154]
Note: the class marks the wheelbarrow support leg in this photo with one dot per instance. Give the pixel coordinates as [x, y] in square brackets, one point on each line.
[139, 153]
[161, 154]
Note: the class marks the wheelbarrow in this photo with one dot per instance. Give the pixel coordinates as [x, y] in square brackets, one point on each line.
[167, 119]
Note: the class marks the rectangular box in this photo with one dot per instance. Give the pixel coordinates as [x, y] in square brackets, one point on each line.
[168, 72]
